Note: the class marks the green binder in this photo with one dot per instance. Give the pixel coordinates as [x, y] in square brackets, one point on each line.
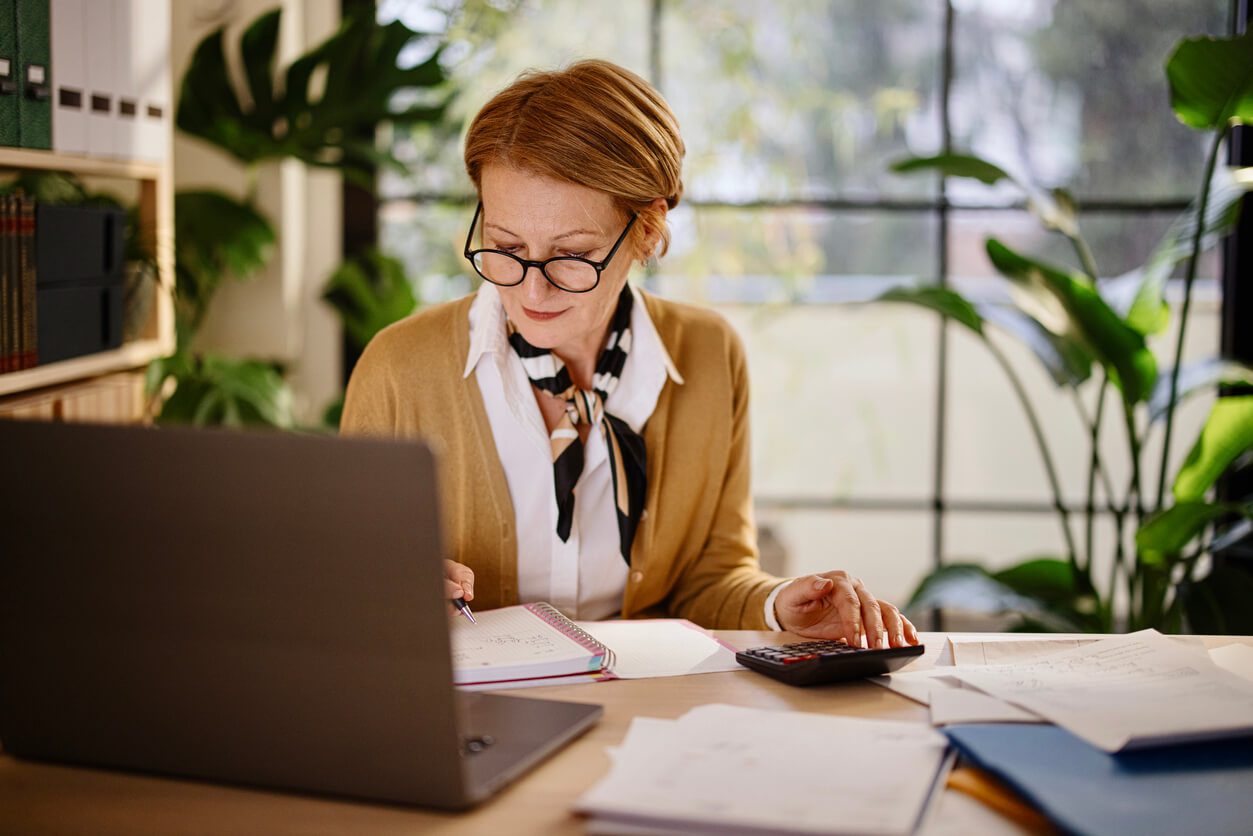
[34, 52]
[9, 88]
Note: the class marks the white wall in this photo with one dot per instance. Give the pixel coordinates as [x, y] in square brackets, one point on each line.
[278, 314]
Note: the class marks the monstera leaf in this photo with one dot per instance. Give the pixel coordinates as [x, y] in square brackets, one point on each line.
[359, 67]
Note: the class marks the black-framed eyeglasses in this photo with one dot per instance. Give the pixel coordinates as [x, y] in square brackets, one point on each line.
[567, 272]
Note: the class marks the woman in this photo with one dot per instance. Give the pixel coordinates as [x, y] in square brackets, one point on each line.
[593, 439]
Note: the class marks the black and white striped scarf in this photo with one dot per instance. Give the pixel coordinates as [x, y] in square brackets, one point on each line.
[549, 374]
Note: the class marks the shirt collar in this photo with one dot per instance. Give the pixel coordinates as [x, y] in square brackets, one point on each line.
[488, 334]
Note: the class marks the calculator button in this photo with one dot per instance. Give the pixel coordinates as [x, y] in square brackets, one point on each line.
[792, 659]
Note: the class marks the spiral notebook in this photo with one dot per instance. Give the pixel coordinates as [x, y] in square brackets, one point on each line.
[514, 646]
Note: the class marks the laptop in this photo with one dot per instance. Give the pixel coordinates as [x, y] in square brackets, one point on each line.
[254, 608]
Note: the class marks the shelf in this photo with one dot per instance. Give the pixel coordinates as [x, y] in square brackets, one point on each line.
[133, 355]
[26, 158]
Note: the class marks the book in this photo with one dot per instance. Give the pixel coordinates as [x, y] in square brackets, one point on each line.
[524, 642]
[6, 278]
[28, 336]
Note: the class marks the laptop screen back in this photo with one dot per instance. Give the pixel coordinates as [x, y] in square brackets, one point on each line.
[254, 608]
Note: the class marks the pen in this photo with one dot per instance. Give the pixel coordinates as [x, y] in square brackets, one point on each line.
[464, 609]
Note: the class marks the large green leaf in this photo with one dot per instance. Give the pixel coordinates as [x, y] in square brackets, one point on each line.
[361, 76]
[942, 300]
[1197, 377]
[370, 293]
[1070, 305]
[215, 236]
[1211, 81]
[1138, 296]
[1227, 434]
[954, 165]
[1167, 534]
[1065, 358]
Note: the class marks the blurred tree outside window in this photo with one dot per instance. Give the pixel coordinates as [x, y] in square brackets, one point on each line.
[866, 419]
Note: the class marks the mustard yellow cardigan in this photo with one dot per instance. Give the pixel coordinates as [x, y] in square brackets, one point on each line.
[694, 554]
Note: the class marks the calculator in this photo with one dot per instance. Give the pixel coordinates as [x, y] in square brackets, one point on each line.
[827, 660]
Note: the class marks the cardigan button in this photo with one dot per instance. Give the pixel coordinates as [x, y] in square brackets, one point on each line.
[637, 576]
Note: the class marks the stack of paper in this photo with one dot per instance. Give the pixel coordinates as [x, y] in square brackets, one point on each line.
[1125, 692]
[726, 769]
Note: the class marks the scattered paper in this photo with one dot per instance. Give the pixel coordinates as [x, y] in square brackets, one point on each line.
[721, 769]
[1125, 692]
[1237, 658]
[1007, 648]
[661, 647]
[918, 685]
[963, 705]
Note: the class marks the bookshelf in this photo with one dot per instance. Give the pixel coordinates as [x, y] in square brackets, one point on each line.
[156, 223]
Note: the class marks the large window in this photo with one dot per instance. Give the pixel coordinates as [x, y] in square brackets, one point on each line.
[884, 442]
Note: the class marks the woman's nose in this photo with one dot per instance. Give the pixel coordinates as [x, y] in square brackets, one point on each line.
[534, 286]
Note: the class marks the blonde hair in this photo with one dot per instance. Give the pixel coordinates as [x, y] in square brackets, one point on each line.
[593, 124]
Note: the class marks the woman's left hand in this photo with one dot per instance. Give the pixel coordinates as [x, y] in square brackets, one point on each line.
[835, 605]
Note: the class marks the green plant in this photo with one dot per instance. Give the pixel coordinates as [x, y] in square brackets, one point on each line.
[1078, 325]
[369, 293]
[322, 109]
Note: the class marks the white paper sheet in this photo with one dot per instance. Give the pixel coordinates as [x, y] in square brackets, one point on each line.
[1237, 658]
[661, 647]
[917, 685]
[721, 769]
[963, 705]
[1007, 648]
[1125, 692]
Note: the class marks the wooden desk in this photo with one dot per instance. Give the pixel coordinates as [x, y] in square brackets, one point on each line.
[41, 799]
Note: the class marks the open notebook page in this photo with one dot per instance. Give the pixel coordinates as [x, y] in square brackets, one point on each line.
[516, 643]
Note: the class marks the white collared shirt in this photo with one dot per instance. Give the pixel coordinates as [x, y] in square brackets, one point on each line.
[585, 576]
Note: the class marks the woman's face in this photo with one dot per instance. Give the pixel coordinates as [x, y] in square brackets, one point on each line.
[535, 217]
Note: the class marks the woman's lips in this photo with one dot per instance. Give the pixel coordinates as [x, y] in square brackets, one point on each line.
[542, 316]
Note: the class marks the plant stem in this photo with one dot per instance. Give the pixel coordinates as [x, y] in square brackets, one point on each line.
[1085, 256]
[1094, 464]
[1042, 444]
[1197, 236]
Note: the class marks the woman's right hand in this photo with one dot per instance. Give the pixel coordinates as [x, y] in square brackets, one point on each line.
[458, 581]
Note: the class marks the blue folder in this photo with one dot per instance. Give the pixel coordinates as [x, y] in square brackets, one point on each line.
[1187, 788]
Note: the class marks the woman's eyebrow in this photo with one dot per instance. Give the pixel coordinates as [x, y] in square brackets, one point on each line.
[569, 234]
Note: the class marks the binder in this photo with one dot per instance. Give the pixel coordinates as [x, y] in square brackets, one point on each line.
[34, 53]
[125, 85]
[101, 91]
[1184, 788]
[69, 101]
[150, 34]
[9, 88]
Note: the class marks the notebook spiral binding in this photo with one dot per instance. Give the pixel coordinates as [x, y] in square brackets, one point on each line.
[557, 619]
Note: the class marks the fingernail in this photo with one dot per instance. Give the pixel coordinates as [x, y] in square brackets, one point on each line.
[821, 583]
[883, 638]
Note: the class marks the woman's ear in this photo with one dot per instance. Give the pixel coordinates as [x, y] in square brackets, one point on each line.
[654, 220]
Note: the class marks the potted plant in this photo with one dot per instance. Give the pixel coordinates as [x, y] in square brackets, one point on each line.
[1166, 574]
[322, 109]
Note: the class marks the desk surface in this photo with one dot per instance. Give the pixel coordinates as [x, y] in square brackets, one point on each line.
[38, 798]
